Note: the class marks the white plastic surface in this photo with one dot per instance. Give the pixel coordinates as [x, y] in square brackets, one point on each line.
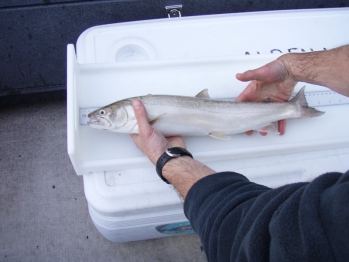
[106, 151]
[215, 36]
[183, 56]
[126, 205]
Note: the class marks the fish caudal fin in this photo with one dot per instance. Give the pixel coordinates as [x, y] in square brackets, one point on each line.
[305, 110]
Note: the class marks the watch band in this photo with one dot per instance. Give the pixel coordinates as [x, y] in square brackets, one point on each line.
[165, 157]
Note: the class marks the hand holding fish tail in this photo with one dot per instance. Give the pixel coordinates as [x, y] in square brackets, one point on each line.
[151, 142]
[271, 82]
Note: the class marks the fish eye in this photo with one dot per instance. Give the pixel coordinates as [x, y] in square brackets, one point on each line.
[102, 112]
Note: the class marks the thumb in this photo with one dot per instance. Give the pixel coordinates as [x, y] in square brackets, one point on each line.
[275, 71]
[141, 116]
[260, 74]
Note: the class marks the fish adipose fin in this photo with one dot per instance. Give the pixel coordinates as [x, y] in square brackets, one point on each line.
[203, 94]
[271, 128]
[305, 110]
[219, 135]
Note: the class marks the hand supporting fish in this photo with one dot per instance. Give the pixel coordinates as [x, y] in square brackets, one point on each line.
[200, 115]
[184, 172]
[150, 141]
[272, 81]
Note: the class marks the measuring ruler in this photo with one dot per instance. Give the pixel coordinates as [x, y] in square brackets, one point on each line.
[315, 99]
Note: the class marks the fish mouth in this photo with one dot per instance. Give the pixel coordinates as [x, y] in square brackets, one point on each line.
[93, 121]
[97, 121]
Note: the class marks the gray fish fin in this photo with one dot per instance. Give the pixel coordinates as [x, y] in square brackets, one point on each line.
[300, 98]
[153, 121]
[305, 110]
[219, 135]
[203, 94]
[270, 128]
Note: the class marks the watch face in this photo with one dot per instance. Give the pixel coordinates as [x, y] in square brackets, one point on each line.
[177, 151]
[173, 152]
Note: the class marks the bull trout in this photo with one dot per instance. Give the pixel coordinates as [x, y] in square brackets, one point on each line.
[200, 115]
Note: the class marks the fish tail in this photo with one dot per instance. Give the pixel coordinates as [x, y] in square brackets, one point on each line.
[305, 110]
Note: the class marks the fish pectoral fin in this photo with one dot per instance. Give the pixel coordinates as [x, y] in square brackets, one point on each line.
[270, 128]
[219, 135]
[153, 121]
[203, 94]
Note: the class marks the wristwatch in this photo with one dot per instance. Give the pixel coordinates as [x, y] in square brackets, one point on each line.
[169, 154]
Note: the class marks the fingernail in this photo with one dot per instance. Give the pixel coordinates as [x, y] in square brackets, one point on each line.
[240, 75]
[136, 104]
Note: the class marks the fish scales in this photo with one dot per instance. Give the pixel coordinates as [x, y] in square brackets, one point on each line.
[212, 116]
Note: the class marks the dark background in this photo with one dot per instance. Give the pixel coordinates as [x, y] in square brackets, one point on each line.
[34, 35]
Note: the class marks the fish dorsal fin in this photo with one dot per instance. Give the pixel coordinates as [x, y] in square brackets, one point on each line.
[270, 128]
[203, 94]
[219, 135]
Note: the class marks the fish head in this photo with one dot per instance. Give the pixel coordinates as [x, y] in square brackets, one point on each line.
[116, 117]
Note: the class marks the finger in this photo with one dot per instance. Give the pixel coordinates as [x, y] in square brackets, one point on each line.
[275, 71]
[135, 138]
[242, 97]
[249, 132]
[176, 141]
[144, 128]
[282, 127]
[260, 74]
[249, 93]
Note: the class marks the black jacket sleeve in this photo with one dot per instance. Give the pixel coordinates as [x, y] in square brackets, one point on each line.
[238, 220]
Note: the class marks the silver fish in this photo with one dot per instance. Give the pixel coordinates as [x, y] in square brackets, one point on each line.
[200, 115]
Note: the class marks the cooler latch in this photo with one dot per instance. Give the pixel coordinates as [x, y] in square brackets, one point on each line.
[172, 11]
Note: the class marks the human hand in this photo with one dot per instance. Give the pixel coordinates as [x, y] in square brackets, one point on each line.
[273, 82]
[150, 141]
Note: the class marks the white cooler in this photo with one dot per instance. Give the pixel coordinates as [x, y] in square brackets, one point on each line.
[181, 56]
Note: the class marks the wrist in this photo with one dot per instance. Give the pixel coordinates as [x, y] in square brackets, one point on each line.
[174, 166]
[170, 153]
[184, 172]
[311, 67]
[290, 61]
